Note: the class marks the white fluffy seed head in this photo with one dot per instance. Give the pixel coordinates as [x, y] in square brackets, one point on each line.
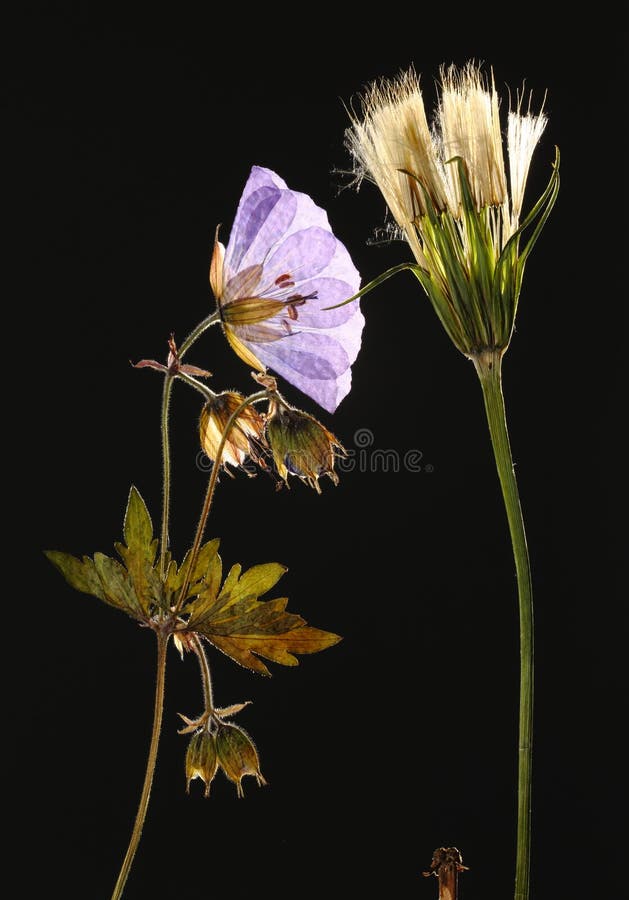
[468, 126]
[523, 135]
[392, 144]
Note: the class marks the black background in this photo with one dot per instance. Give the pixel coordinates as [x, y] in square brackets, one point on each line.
[134, 133]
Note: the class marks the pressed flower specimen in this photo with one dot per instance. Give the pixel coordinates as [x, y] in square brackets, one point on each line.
[460, 209]
[281, 266]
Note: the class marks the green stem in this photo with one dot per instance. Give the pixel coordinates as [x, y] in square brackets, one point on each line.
[212, 319]
[209, 494]
[162, 643]
[488, 366]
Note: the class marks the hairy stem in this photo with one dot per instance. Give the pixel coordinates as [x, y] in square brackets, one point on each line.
[488, 366]
[160, 679]
[206, 677]
[212, 319]
[163, 545]
[209, 494]
[197, 385]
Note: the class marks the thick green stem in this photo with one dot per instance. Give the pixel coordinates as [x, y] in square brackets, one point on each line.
[168, 385]
[488, 366]
[160, 680]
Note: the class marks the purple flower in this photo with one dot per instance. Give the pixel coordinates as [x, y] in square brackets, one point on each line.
[282, 266]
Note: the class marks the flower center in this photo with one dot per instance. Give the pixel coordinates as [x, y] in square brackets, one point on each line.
[293, 300]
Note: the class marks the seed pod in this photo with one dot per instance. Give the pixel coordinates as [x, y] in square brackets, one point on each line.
[201, 759]
[237, 755]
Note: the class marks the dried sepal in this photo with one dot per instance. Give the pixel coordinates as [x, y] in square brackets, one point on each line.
[173, 366]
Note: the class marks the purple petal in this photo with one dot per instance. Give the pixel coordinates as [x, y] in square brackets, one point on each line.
[342, 267]
[314, 356]
[302, 255]
[307, 212]
[261, 177]
[258, 179]
[344, 281]
[286, 233]
[349, 334]
[251, 217]
[317, 364]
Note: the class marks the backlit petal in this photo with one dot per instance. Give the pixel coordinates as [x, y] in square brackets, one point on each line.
[282, 248]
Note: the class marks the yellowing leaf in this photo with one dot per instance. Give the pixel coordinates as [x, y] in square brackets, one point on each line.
[245, 628]
[231, 581]
[139, 553]
[138, 528]
[102, 577]
[213, 576]
[237, 588]
[205, 559]
[135, 587]
[246, 648]
[117, 585]
[269, 616]
[81, 574]
[256, 581]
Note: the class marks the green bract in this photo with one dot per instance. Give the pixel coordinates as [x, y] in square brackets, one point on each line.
[473, 290]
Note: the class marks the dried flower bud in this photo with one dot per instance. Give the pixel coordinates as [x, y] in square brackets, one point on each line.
[301, 446]
[237, 755]
[246, 431]
[201, 759]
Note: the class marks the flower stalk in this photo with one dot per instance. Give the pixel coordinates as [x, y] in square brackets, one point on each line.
[212, 319]
[209, 494]
[158, 709]
[460, 209]
[488, 367]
